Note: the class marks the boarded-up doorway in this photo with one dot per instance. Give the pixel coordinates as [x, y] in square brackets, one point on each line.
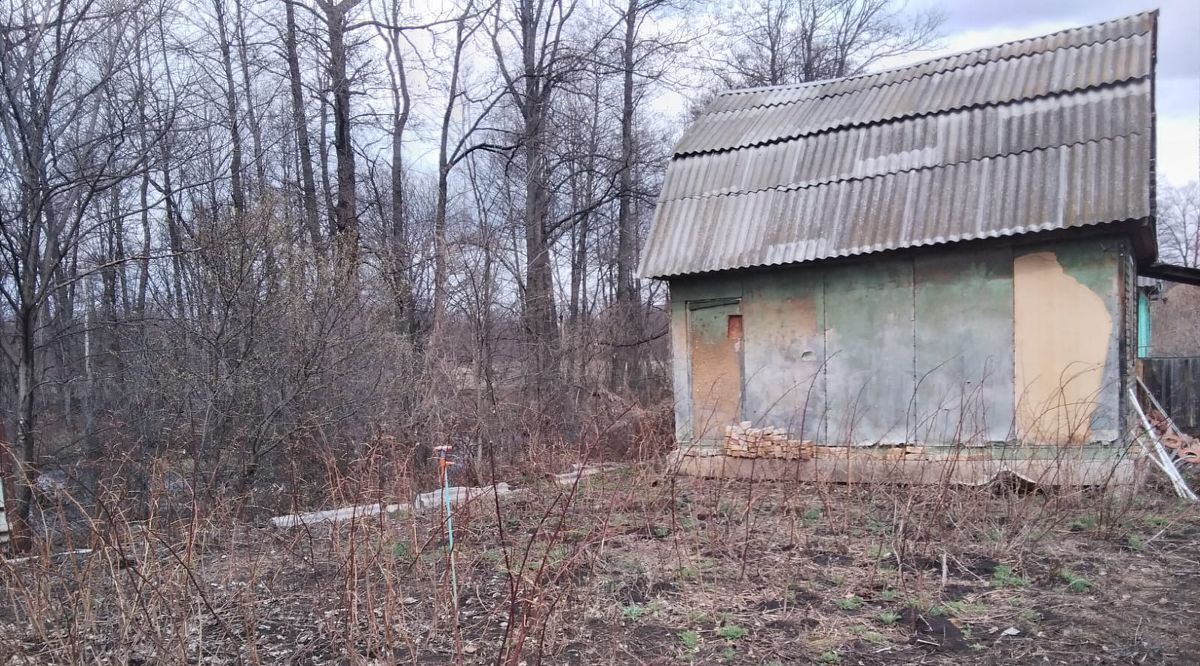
[715, 352]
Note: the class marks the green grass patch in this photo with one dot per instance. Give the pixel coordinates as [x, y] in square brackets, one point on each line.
[731, 632]
[1003, 576]
[957, 609]
[402, 551]
[889, 617]
[868, 634]
[633, 612]
[690, 640]
[1082, 524]
[850, 603]
[1075, 582]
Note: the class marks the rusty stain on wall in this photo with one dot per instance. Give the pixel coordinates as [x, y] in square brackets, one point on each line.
[715, 339]
[1061, 334]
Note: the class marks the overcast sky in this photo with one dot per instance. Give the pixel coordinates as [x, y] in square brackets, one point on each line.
[972, 24]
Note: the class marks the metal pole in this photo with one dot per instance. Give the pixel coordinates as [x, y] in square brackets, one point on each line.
[444, 470]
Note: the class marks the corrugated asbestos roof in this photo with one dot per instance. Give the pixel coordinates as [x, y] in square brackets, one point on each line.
[1046, 133]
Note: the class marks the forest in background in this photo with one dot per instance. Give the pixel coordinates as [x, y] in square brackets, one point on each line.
[247, 242]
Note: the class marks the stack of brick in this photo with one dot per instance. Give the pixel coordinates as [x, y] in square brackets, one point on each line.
[744, 441]
[918, 453]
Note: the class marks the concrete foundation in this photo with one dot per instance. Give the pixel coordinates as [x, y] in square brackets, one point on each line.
[970, 468]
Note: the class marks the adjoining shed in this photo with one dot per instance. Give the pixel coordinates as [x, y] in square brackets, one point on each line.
[932, 263]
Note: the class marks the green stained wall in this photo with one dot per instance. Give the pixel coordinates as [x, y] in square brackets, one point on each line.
[869, 337]
[784, 359]
[964, 346]
[917, 347]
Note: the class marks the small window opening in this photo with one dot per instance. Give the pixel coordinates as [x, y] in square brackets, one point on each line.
[733, 327]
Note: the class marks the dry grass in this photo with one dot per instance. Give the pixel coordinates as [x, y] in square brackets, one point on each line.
[634, 567]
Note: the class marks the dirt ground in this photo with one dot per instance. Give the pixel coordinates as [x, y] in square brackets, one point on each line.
[638, 567]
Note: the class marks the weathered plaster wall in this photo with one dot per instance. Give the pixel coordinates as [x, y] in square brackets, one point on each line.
[956, 347]
[1067, 326]
[785, 358]
[964, 346]
[869, 333]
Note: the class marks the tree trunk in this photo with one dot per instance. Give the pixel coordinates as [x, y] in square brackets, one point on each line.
[625, 359]
[308, 183]
[346, 214]
[401, 256]
[235, 154]
[541, 323]
[251, 111]
[25, 450]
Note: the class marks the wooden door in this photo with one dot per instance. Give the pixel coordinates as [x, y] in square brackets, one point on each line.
[715, 352]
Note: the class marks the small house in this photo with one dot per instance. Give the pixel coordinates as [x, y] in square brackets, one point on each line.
[938, 263]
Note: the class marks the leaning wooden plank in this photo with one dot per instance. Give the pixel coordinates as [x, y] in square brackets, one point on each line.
[581, 472]
[53, 556]
[1160, 455]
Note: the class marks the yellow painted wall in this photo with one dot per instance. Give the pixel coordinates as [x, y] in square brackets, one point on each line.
[1062, 333]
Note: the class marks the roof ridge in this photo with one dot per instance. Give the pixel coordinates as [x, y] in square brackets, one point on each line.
[795, 187]
[949, 56]
[893, 119]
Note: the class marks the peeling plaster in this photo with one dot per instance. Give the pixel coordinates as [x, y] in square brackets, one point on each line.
[1062, 331]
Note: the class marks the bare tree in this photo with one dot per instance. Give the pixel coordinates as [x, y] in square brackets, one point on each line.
[636, 52]
[174, 204]
[308, 186]
[777, 42]
[533, 68]
[1179, 223]
[401, 256]
[61, 151]
[345, 222]
[232, 110]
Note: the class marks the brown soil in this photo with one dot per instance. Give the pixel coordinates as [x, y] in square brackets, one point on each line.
[638, 569]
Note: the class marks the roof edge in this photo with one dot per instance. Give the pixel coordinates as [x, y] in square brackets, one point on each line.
[1171, 273]
[1134, 229]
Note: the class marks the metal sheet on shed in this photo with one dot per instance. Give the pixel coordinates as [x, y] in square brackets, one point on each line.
[986, 83]
[964, 347]
[1039, 190]
[869, 338]
[1047, 133]
[1074, 37]
[785, 352]
[915, 143]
